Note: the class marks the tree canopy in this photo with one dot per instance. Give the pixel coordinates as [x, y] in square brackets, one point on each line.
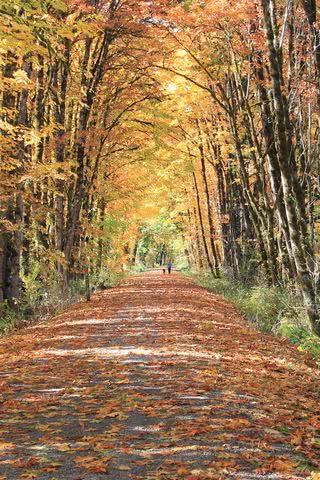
[135, 132]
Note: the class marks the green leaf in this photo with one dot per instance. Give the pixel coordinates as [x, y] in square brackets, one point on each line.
[59, 5]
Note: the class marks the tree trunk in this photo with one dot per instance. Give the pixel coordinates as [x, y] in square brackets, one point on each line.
[200, 217]
[285, 152]
[212, 230]
[60, 86]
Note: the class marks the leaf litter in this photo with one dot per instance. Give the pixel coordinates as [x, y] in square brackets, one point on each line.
[156, 379]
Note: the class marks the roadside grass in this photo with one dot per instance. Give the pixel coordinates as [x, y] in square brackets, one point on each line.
[270, 309]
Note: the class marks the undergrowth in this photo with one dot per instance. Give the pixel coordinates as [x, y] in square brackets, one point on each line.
[271, 309]
[40, 300]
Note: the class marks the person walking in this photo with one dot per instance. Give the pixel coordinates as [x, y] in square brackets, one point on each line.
[169, 266]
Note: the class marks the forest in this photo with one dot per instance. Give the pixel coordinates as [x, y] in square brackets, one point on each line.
[138, 132]
[159, 239]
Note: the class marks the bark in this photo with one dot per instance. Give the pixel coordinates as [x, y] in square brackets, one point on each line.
[26, 240]
[60, 85]
[201, 222]
[310, 9]
[102, 210]
[193, 247]
[90, 82]
[266, 219]
[210, 214]
[273, 164]
[255, 213]
[11, 240]
[224, 213]
[198, 240]
[41, 118]
[3, 258]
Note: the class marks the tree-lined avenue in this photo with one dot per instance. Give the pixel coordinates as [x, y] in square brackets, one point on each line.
[155, 379]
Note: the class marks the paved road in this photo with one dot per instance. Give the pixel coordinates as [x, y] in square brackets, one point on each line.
[155, 379]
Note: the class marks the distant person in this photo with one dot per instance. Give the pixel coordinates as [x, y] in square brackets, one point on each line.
[169, 267]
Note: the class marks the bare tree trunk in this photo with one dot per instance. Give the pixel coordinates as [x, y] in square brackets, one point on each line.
[60, 86]
[212, 230]
[285, 153]
[90, 82]
[200, 217]
[12, 240]
[273, 164]
[310, 8]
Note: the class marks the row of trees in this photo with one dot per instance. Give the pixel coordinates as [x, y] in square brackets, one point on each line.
[74, 82]
[254, 146]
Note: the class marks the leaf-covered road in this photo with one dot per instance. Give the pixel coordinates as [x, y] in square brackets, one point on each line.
[155, 379]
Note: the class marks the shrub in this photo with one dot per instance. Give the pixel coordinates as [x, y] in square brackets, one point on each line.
[271, 309]
[138, 268]
[265, 307]
[8, 317]
[43, 297]
[106, 278]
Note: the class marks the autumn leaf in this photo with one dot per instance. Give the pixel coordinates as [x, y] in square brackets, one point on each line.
[96, 465]
[6, 446]
[123, 468]
[297, 438]
[315, 476]
[28, 475]
[63, 447]
[279, 465]
[238, 423]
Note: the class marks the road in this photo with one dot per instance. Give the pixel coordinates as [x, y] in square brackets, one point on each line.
[155, 379]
